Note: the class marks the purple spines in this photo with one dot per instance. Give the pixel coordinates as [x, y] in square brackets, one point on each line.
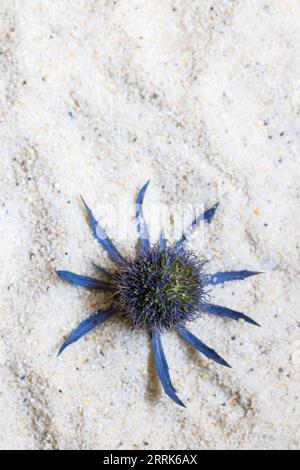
[161, 287]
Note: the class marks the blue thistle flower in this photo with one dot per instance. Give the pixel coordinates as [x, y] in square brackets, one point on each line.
[161, 288]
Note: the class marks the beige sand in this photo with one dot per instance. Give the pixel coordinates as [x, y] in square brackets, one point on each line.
[97, 96]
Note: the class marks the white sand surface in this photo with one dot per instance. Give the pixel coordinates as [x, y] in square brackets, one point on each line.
[96, 97]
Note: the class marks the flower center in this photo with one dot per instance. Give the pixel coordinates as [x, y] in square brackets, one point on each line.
[160, 287]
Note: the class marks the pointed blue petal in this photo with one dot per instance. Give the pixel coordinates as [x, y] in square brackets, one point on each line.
[227, 276]
[197, 344]
[210, 213]
[227, 312]
[206, 217]
[85, 281]
[87, 325]
[141, 225]
[162, 368]
[162, 240]
[102, 237]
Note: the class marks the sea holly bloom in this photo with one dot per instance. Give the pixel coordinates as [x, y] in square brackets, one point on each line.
[160, 288]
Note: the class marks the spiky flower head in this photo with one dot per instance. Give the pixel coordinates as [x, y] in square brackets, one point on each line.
[161, 287]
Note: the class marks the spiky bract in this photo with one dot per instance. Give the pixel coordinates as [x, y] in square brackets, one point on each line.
[161, 287]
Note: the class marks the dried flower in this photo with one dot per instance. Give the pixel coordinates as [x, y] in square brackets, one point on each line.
[160, 288]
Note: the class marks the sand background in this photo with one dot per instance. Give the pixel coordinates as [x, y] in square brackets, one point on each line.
[96, 97]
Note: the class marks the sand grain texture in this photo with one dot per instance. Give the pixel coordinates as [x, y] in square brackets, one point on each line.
[96, 97]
